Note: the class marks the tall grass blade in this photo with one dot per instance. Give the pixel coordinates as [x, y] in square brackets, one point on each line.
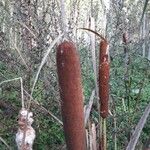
[43, 62]
[21, 56]
[34, 101]
[94, 33]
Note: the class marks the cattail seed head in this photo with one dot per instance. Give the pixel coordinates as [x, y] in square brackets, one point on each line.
[69, 74]
[104, 79]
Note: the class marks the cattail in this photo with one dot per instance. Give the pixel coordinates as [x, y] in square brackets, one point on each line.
[103, 50]
[104, 79]
[69, 75]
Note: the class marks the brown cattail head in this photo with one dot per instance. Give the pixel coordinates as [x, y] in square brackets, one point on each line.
[69, 75]
[104, 79]
[103, 50]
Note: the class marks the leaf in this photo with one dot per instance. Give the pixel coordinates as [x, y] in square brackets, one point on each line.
[94, 33]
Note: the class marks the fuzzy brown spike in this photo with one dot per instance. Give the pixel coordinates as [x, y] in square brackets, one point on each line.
[69, 74]
[104, 79]
[103, 50]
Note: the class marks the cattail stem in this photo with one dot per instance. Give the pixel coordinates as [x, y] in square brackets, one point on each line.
[69, 74]
[103, 135]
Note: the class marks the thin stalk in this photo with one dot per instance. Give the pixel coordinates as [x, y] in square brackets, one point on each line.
[115, 135]
[42, 64]
[103, 135]
[36, 79]
[99, 35]
[20, 54]
[101, 132]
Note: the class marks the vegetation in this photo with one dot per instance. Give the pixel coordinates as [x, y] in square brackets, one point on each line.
[29, 34]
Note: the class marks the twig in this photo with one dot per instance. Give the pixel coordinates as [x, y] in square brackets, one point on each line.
[19, 52]
[50, 113]
[42, 63]
[22, 96]
[25, 26]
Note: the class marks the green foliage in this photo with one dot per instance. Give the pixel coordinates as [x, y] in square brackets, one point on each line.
[87, 72]
[139, 88]
[49, 134]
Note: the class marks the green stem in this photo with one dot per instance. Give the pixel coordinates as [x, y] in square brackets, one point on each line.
[105, 134]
